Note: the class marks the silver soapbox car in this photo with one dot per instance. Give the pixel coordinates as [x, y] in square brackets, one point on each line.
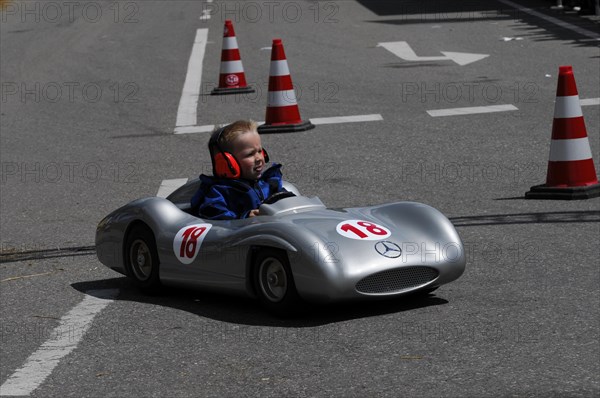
[296, 250]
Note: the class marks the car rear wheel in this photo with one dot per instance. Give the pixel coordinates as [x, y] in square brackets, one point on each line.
[274, 282]
[142, 258]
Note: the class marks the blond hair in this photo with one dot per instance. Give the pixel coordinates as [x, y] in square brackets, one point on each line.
[235, 129]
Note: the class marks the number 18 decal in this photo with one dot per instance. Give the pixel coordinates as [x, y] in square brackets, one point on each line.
[362, 230]
[188, 240]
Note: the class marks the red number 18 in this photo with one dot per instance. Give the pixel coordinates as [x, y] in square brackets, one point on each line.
[369, 227]
[190, 240]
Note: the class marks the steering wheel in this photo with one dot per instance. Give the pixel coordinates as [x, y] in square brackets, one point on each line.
[277, 196]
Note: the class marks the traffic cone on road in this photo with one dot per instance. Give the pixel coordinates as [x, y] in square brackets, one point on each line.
[283, 114]
[571, 173]
[232, 79]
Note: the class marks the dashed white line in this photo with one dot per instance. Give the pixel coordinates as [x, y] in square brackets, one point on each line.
[472, 110]
[188, 104]
[347, 119]
[590, 101]
[167, 187]
[67, 336]
[194, 129]
[322, 120]
[495, 108]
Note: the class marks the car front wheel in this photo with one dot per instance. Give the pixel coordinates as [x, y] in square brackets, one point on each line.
[142, 258]
[274, 282]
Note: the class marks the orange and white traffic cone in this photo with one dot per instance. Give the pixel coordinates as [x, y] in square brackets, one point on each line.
[571, 173]
[283, 114]
[232, 79]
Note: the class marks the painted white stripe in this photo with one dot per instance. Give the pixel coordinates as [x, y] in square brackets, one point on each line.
[188, 104]
[568, 106]
[567, 150]
[167, 187]
[590, 101]
[231, 67]
[279, 68]
[556, 21]
[194, 129]
[230, 43]
[66, 336]
[347, 119]
[324, 120]
[206, 13]
[281, 98]
[471, 110]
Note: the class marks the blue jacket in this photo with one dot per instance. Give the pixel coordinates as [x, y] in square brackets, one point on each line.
[226, 199]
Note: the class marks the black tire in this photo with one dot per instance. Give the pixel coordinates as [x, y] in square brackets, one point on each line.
[274, 282]
[142, 260]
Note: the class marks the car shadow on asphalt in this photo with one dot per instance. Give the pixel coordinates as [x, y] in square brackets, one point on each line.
[247, 311]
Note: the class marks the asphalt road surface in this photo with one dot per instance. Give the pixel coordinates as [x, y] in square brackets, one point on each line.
[90, 98]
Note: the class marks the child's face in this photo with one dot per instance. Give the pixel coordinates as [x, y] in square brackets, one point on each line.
[247, 150]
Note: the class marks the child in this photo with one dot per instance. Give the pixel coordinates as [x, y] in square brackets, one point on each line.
[241, 180]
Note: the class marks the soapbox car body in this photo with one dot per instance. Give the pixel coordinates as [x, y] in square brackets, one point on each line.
[297, 249]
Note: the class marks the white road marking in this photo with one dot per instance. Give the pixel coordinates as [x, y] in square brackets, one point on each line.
[500, 108]
[590, 101]
[167, 187]
[347, 119]
[556, 21]
[403, 50]
[206, 13]
[195, 129]
[323, 120]
[188, 104]
[66, 337]
[471, 110]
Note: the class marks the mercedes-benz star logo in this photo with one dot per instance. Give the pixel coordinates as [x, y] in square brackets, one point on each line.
[388, 249]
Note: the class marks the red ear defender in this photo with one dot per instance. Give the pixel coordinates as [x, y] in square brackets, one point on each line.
[225, 166]
[265, 155]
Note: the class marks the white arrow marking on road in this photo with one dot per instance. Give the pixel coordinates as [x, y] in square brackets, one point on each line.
[402, 50]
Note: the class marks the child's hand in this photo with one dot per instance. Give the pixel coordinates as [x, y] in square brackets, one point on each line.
[253, 213]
